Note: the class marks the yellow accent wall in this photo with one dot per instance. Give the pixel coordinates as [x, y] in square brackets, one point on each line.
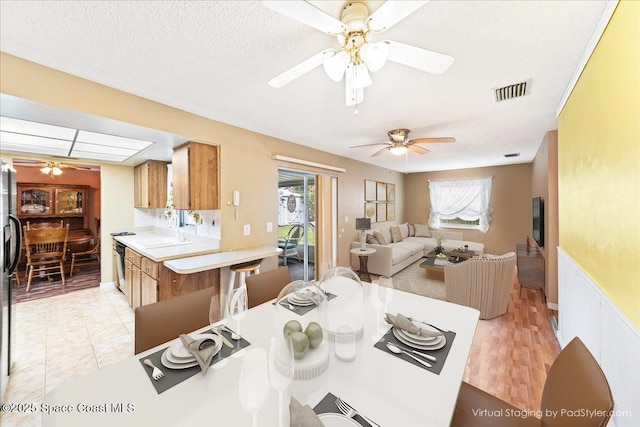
[599, 164]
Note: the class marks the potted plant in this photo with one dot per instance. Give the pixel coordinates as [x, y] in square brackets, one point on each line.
[439, 237]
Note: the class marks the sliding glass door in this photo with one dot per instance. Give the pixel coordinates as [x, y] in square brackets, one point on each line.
[306, 222]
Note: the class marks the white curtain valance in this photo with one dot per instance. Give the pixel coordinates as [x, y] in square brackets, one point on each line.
[465, 199]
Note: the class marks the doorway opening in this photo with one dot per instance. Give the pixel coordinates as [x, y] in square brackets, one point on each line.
[307, 213]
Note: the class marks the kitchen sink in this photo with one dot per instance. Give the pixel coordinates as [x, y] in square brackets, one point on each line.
[163, 243]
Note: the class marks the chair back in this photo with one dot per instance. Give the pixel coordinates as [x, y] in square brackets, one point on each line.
[483, 283]
[266, 285]
[295, 233]
[166, 320]
[37, 225]
[576, 392]
[45, 243]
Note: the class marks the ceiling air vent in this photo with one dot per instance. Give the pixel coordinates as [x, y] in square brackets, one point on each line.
[511, 91]
[512, 155]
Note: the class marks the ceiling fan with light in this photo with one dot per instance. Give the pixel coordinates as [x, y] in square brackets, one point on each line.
[50, 168]
[357, 55]
[399, 143]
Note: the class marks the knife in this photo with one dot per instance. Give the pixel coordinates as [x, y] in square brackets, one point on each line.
[425, 355]
[225, 341]
[425, 323]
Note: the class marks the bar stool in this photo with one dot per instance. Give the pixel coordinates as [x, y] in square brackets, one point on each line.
[244, 270]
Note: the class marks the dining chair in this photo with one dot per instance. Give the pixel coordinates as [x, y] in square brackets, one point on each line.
[267, 285]
[165, 320]
[87, 256]
[289, 244]
[46, 250]
[576, 394]
[37, 225]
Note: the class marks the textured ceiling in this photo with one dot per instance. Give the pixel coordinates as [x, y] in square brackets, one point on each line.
[215, 59]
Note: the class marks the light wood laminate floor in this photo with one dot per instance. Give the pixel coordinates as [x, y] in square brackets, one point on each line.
[67, 336]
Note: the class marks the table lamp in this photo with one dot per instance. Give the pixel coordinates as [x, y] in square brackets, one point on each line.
[363, 224]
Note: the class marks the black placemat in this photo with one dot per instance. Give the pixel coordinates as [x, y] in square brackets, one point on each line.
[440, 354]
[174, 377]
[328, 405]
[302, 310]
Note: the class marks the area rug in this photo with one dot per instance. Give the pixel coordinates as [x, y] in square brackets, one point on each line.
[414, 279]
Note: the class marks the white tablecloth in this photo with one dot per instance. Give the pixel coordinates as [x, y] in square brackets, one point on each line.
[385, 388]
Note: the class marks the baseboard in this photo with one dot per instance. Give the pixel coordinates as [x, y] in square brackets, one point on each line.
[108, 285]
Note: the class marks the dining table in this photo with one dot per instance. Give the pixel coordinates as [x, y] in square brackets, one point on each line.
[388, 389]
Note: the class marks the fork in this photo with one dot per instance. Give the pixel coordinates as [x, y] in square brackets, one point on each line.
[350, 412]
[157, 373]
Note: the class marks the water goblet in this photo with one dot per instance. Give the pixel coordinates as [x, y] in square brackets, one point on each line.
[281, 371]
[253, 389]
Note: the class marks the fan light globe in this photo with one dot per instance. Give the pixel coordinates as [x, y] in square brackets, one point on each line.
[398, 150]
[361, 76]
[336, 65]
[375, 55]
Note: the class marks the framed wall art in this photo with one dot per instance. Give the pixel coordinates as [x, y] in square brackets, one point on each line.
[391, 211]
[391, 192]
[370, 211]
[369, 190]
[381, 193]
[381, 212]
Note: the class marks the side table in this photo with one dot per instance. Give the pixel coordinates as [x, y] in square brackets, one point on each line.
[363, 273]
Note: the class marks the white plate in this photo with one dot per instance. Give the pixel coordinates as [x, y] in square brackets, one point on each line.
[413, 342]
[419, 339]
[337, 420]
[179, 352]
[183, 364]
[168, 364]
[302, 302]
[433, 346]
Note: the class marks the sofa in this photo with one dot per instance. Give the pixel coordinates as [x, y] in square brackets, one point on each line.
[397, 247]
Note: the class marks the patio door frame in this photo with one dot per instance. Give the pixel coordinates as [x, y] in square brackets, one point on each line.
[326, 231]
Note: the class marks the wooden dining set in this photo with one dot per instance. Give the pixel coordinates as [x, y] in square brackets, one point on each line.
[47, 246]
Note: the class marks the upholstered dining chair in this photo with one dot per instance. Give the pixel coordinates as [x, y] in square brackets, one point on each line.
[482, 282]
[289, 244]
[267, 285]
[576, 394]
[166, 320]
[46, 250]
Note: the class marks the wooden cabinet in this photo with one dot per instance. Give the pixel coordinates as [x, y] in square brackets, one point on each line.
[530, 268]
[196, 177]
[141, 279]
[173, 284]
[51, 203]
[150, 184]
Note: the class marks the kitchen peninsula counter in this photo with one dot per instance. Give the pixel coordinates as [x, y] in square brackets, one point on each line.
[196, 264]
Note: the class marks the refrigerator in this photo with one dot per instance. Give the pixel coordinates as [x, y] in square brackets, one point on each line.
[10, 247]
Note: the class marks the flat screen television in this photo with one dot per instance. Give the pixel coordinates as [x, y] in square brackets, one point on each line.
[538, 220]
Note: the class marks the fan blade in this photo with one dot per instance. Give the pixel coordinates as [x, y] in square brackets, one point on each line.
[392, 12]
[417, 149]
[422, 59]
[369, 145]
[354, 96]
[307, 14]
[377, 153]
[300, 69]
[431, 140]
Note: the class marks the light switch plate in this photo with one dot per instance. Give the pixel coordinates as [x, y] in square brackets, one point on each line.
[247, 229]
[269, 227]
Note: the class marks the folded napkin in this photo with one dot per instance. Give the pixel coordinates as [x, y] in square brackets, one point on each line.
[400, 321]
[202, 349]
[302, 416]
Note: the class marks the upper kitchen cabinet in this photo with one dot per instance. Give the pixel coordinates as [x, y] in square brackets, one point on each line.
[150, 184]
[195, 176]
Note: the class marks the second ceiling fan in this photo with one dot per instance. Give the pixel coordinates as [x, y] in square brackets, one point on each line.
[399, 143]
[357, 55]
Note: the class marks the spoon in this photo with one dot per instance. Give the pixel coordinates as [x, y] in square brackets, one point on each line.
[397, 350]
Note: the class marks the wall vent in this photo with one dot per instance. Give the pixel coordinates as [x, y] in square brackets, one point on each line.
[512, 155]
[515, 90]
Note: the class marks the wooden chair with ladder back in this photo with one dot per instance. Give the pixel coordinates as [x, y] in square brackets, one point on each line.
[46, 250]
[88, 256]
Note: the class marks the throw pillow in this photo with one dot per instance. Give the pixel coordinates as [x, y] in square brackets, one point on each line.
[396, 235]
[412, 230]
[404, 230]
[380, 237]
[372, 240]
[422, 230]
[386, 232]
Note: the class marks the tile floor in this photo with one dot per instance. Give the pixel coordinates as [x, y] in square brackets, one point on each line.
[62, 338]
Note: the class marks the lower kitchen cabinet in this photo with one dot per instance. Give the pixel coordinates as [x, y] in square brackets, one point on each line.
[173, 284]
[140, 279]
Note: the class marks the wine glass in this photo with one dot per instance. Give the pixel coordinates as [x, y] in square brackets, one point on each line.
[385, 290]
[281, 370]
[253, 388]
[238, 310]
[218, 314]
